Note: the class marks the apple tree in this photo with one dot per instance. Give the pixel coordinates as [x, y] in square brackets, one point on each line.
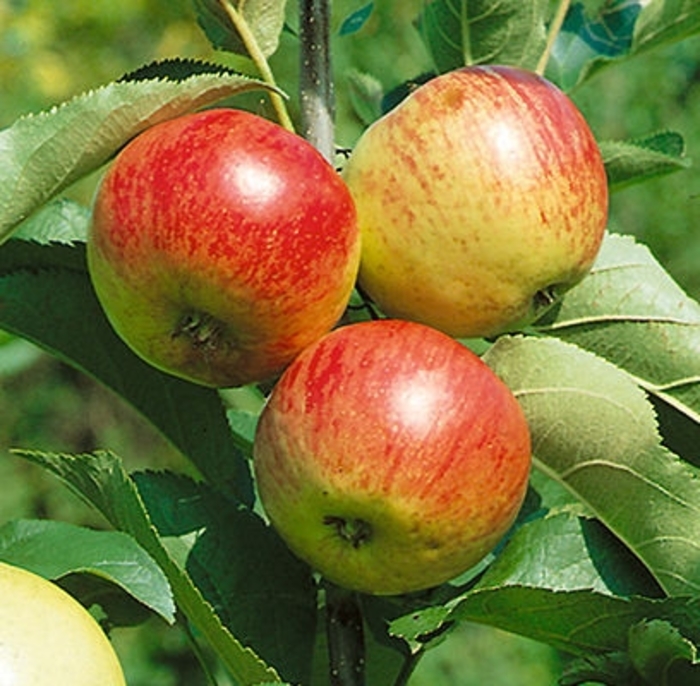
[603, 560]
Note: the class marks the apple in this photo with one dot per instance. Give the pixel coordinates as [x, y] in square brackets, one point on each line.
[390, 457]
[47, 638]
[481, 198]
[221, 245]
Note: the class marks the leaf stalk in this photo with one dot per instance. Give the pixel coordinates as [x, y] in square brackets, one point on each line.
[554, 29]
[256, 54]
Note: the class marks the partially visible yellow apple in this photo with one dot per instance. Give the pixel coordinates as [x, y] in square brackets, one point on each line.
[47, 638]
[481, 198]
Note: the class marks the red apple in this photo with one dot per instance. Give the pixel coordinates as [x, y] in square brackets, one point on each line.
[390, 457]
[481, 198]
[221, 245]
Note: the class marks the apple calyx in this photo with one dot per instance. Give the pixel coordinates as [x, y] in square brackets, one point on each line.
[201, 329]
[354, 530]
[546, 297]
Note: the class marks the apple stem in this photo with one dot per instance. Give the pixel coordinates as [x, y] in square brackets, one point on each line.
[346, 641]
[316, 80]
[554, 29]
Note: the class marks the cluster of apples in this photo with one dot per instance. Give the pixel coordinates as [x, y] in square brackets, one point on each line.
[225, 249]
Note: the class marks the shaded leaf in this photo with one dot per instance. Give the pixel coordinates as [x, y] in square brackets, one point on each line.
[662, 655]
[589, 40]
[56, 549]
[101, 481]
[630, 303]
[604, 668]
[630, 162]
[355, 20]
[597, 34]
[43, 154]
[257, 587]
[46, 297]
[466, 32]
[594, 430]
[227, 30]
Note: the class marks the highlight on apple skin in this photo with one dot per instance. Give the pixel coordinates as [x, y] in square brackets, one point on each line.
[390, 457]
[481, 198]
[47, 638]
[222, 245]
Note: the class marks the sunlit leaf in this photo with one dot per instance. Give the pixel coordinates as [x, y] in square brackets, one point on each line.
[43, 154]
[630, 303]
[228, 23]
[630, 162]
[594, 430]
[465, 32]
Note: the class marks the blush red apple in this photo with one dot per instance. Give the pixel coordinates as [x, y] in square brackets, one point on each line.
[221, 245]
[390, 457]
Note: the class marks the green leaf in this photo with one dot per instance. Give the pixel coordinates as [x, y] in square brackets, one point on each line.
[100, 479]
[45, 153]
[577, 622]
[262, 19]
[665, 21]
[356, 20]
[599, 34]
[56, 549]
[630, 303]
[594, 430]
[366, 94]
[564, 552]
[46, 297]
[630, 162]
[589, 40]
[59, 221]
[256, 586]
[662, 655]
[466, 32]
[605, 668]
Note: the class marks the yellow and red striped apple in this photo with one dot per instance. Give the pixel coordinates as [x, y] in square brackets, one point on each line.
[221, 245]
[390, 457]
[481, 198]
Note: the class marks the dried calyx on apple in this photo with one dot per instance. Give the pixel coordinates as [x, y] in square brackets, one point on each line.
[481, 198]
[390, 457]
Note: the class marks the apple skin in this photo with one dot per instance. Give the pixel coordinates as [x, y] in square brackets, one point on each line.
[47, 638]
[221, 245]
[481, 198]
[390, 457]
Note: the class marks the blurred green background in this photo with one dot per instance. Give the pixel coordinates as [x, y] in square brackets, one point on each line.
[50, 51]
